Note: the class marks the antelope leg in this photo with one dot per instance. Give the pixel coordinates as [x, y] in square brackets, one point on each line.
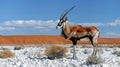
[74, 52]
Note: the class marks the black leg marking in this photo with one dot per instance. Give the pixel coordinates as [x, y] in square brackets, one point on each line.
[74, 41]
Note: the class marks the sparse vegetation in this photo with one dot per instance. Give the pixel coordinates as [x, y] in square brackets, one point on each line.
[94, 60]
[6, 54]
[116, 53]
[86, 46]
[56, 52]
[2, 48]
[18, 47]
[118, 46]
[37, 54]
[112, 46]
[86, 51]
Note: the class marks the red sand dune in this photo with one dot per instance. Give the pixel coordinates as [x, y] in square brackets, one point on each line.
[48, 39]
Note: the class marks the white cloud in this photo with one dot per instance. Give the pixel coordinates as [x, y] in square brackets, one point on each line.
[42, 29]
[91, 24]
[115, 23]
[7, 28]
[32, 24]
[52, 23]
[112, 34]
[20, 23]
[49, 23]
[38, 27]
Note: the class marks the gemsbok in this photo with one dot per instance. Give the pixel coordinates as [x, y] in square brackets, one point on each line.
[78, 32]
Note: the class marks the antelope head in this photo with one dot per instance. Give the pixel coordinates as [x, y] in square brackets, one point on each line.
[63, 18]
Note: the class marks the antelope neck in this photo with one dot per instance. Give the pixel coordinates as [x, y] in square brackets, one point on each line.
[66, 28]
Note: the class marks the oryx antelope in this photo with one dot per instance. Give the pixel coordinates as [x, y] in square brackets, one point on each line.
[78, 32]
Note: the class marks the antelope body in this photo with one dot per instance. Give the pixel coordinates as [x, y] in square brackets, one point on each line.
[78, 32]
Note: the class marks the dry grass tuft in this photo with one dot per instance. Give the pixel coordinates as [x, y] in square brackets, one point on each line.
[56, 52]
[112, 46]
[86, 46]
[38, 54]
[116, 53]
[6, 54]
[94, 60]
[86, 51]
[18, 47]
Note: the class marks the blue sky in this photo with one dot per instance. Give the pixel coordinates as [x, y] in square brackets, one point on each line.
[40, 17]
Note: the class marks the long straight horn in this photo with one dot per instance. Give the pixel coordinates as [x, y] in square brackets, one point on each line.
[66, 12]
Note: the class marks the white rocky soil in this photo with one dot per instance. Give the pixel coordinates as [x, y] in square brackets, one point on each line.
[28, 57]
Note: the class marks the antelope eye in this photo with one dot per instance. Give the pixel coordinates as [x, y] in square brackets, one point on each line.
[60, 24]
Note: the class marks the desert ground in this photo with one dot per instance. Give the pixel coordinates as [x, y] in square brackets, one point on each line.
[35, 56]
[31, 52]
[48, 39]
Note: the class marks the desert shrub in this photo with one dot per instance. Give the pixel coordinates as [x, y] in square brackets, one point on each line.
[116, 53]
[18, 47]
[86, 46]
[86, 51]
[94, 59]
[37, 54]
[112, 46]
[6, 54]
[2, 48]
[56, 52]
[118, 46]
